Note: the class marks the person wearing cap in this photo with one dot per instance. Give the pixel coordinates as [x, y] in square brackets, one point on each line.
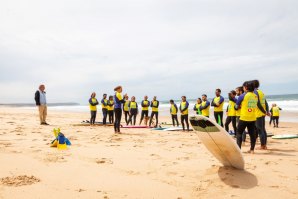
[41, 103]
[119, 100]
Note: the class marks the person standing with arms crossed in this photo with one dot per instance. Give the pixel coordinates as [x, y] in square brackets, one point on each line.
[196, 107]
[205, 106]
[133, 111]
[104, 108]
[174, 111]
[41, 103]
[93, 109]
[111, 109]
[118, 107]
[218, 103]
[154, 104]
[145, 110]
[184, 112]
[126, 109]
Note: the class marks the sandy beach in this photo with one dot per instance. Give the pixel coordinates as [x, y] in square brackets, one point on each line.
[139, 163]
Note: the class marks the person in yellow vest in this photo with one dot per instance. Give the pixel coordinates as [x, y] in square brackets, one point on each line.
[93, 109]
[275, 115]
[218, 103]
[271, 117]
[248, 102]
[261, 112]
[145, 110]
[174, 111]
[104, 108]
[205, 106]
[196, 107]
[184, 112]
[133, 111]
[111, 109]
[126, 109]
[119, 100]
[231, 112]
[154, 105]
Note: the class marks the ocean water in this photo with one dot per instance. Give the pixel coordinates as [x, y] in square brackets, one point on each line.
[288, 103]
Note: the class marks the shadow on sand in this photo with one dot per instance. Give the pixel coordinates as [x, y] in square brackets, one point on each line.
[237, 178]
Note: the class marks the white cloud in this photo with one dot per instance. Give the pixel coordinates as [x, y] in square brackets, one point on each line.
[164, 48]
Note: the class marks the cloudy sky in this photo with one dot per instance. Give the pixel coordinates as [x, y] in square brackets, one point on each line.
[166, 48]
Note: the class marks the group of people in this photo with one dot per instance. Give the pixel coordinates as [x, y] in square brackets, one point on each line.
[247, 108]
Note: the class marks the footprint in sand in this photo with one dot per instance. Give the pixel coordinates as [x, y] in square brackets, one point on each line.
[104, 161]
[17, 181]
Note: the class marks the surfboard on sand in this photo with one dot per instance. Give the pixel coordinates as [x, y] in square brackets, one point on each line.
[175, 129]
[218, 142]
[285, 136]
[134, 127]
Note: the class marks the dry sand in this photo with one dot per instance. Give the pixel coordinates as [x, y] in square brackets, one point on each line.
[140, 163]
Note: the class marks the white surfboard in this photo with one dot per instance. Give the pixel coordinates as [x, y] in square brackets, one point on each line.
[175, 129]
[218, 141]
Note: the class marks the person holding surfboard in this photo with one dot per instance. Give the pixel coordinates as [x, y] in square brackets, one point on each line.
[248, 102]
[104, 108]
[184, 112]
[174, 111]
[111, 109]
[231, 112]
[205, 106]
[93, 109]
[196, 107]
[261, 111]
[154, 105]
[133, 111]
[119, 100]
[126, 109]
[145, 109]
[218, 103]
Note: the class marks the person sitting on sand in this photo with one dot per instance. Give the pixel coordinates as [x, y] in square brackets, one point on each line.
[119, 100]
[133, 111]
[173, 111]
[111, 109]
[196, 107]
[93, 109]
[41, 103]
[218, 103]
[184, 112]
[104, 107]
[231, 112]
[126, 109]
[205, 106]
[154, 105]
[145, 110]
[248, 102]
[275, 115]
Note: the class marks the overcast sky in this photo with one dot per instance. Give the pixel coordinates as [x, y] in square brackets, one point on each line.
[166, 48]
